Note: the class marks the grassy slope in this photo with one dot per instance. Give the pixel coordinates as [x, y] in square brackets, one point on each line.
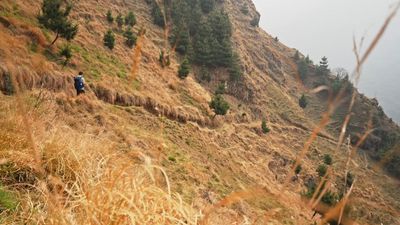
[203, 164]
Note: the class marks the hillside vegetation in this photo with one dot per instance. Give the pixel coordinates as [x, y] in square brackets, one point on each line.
[192, 115]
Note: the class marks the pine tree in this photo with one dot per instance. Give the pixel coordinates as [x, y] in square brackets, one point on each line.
[109, 39]
[220, 25]
[130, 38]
[303, 101]
[205, 74]
[54, 16]
[255, 21]
[181, 39]
[235, 69]
[219, 105]
[336, 85]
[298, 169]
[327, 159]
[302, 67]
[130, 19]
[201, 45]
[110, 17]
[158, 17]
[321, 170]
[308, 60]
[349, 179]
[207, 5]
[184, 69]
[66, 52]
[120, 20]
[222, 53]
[264, 127]
[323, 69]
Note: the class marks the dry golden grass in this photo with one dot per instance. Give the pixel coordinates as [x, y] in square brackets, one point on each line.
[82, 179]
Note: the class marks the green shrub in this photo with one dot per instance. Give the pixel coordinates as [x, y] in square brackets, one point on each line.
[130, 19]
[205, 74]
[164, 59]
[341, 82]
[298, 169]
[308, 60]
[109, 39]
[110, 17]
[158, 17]
[303, 101]
[130, 38]
[264, 127]
[207, 5]
[8, 84]
[302, 67]
[321, 170]
[172, 158]
[66, 52]
[327, 159]
[255, 21]
[54, 16]
[235, 70]
[219, 105]
[350, 179]
[393, 166]
[329, 198]
[184, 69]
[120, 20]
[220, 89]
[181, 39]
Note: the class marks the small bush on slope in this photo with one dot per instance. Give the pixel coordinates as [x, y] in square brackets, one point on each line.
[184, 69]
[264, 127]
[110, 17]
[109, 39]
[120, 20]
[219, 105]
[303, 101]
[321, 170]
[130, 38]
[66, 52]
[130, 19]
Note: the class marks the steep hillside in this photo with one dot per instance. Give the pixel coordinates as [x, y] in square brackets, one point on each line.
[142, 146]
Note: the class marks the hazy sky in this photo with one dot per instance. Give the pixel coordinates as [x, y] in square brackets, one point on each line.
[326, 28]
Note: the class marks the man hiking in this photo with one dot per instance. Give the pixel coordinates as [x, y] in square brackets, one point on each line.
[79, 83]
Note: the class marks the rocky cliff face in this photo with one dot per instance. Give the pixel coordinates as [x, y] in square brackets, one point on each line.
[144, 107]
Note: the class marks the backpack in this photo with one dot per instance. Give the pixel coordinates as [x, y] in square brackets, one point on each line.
[78, 83]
